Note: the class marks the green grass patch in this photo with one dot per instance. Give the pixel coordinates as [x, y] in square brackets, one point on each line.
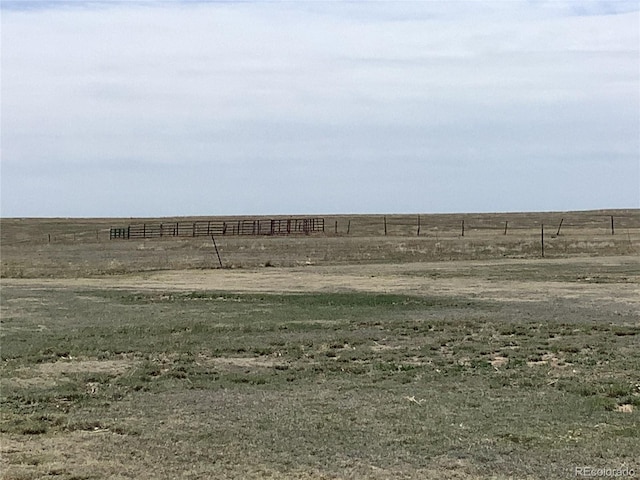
[322, 380]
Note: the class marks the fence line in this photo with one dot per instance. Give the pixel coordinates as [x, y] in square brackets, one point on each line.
[559, 224]
[466, 225]
[470, 224]
[289, 226]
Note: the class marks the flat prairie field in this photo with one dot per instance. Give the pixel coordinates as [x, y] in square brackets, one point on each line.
[420, 354]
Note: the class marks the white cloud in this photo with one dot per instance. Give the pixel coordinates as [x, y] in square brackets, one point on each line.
[280, 93]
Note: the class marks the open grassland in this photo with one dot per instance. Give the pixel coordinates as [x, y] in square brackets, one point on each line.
[333, 365]
[81, 247]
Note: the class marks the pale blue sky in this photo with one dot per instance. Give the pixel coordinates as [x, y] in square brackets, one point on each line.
[153, 108]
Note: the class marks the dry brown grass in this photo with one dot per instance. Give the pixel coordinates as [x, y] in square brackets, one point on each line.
[81, 247]
[360, 356]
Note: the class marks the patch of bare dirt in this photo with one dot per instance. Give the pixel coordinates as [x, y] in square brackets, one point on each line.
[263, 361]
[626, 408]
[45, 375]
[499, 361]
[61, 367]
[550, 359]
[381, 347]
[460, 278]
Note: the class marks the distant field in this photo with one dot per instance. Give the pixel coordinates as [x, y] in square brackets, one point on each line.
[332, 356]
[72, 247]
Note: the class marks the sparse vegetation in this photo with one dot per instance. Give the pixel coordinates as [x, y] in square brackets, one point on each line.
[502, 368]
[71, 248]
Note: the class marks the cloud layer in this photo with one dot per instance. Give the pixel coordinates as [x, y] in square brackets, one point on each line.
[170, 108]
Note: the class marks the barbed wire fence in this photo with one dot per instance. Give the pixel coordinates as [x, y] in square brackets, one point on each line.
[556, 224]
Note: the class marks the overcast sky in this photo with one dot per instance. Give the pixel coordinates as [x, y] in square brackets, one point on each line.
[154, 108]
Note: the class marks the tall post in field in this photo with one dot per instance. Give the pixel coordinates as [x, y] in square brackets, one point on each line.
[612, 229]
[559, 227]
[217, 252]
[506, 225]
[348, 227]
[385, 225]
[418, 225]
[542, 238]
[463, 227]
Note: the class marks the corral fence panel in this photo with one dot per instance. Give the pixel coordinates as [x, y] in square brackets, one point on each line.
[201, 228]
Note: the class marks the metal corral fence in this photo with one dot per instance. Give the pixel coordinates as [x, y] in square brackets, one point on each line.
[208, 228]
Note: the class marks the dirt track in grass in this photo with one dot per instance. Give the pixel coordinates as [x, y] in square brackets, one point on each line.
[500, 280]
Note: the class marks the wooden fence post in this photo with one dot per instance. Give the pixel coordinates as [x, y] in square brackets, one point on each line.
[542, 238]
[385, 225]
[560, 226]
[463, 227]
[506, 225]
[217, 252]
[612, 229]
[348, 227]
[418, 225]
